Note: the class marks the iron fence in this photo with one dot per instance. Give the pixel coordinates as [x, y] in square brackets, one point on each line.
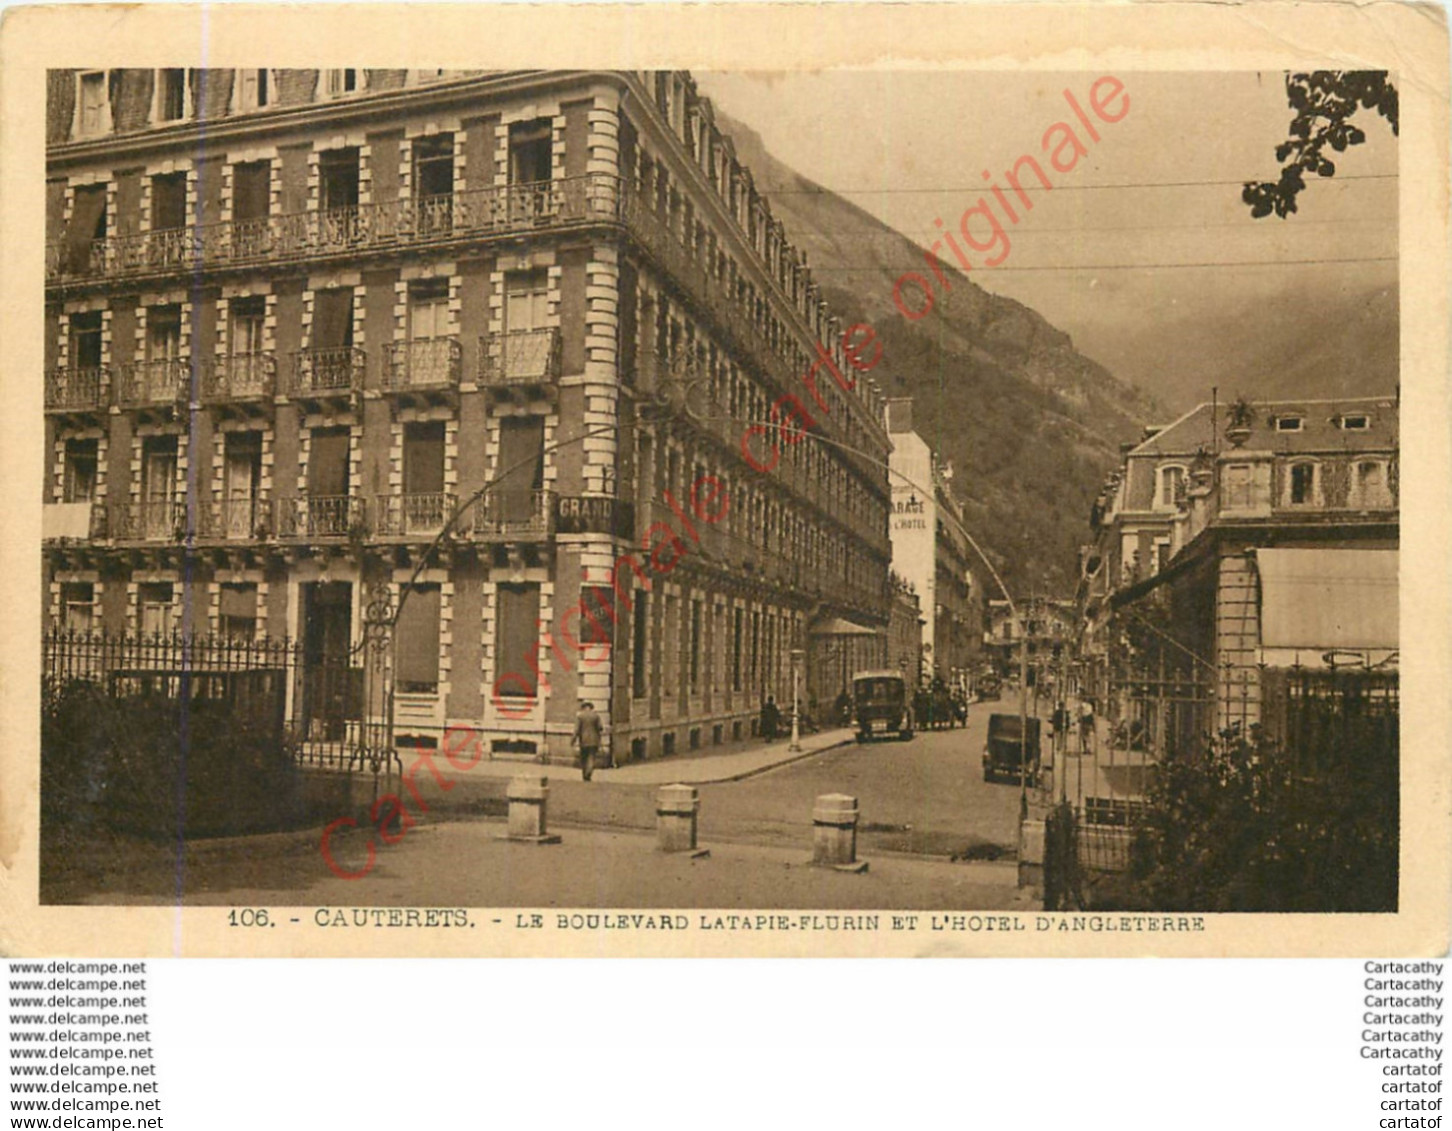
[327, 709]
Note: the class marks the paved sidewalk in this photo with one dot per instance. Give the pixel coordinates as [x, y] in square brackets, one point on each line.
[741, 760]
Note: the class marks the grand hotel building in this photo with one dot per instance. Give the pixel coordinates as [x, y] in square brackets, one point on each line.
[295, 317]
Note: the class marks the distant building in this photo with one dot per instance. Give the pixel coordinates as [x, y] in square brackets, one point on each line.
[930, 547]
[905, 630]
[1249, 541]
[1048, 624]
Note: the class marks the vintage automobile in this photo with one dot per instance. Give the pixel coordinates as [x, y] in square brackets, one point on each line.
[1011, 751]
[989, 686]
[880, 705]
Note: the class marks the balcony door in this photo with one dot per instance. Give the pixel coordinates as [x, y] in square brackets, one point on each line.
[423, 477]
[243, 472]
[527, 341]
[433, 162]
[247, 366]
[531, 146]
[428, 357]
[332, 692]
[158, 487]
[332, 339]
[327, 504]
[520, 469]
[251, 203]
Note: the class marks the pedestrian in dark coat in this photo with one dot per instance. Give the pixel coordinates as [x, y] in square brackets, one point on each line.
[587, 738]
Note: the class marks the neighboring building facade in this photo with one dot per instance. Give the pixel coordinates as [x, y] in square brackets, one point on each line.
[1049, 625]
[294, 318]
[1267, 539]
[930, 548]
[905, 632]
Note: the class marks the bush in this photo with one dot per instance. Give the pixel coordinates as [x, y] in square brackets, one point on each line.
[162, 768]
[1244, 828]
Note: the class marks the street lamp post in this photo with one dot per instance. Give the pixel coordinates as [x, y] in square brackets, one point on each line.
[797, 656]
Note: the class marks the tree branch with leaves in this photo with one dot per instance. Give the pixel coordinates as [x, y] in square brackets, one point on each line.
[1325, 102]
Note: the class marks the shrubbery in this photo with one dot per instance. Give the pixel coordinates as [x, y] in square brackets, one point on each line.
[1244, 828]
[150, 767]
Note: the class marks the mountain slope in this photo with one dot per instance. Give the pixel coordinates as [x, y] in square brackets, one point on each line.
[1030, 425]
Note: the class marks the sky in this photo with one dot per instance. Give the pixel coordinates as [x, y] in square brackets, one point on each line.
[1147, 227]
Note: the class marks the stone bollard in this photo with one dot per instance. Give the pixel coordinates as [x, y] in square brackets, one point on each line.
[676, 808]
[528, 796]
[834, 833]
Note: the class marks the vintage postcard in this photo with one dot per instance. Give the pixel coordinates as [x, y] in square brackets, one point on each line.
[725, 480]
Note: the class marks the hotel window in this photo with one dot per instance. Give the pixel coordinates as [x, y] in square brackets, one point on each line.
[163, 333]
[1357, 422]
[251, 190]
[516, 641]
[94, 104]
[254, 89]
[433, 163]
[341, 82]
[639, 639]
[168, 201]
[695, 662]
[1369, 486]
[249, 320]
[1301, 486]
[1169, 483]
[338, 178]
[80, 473]
[242, 483]
[530, 148]
[171, 94]
[418, 643]
[237, 612]
[78, 606]
[86, 343]
[154, 601]
[1288, 423]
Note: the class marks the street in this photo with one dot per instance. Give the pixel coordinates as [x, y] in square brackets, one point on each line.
[934, 833]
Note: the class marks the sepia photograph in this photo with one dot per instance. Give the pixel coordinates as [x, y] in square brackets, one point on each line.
[747, 501]
[994, 508]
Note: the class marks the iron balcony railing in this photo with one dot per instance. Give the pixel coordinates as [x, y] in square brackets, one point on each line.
[152, 520]
[520, 357]
[412, 514]
[425, 363]
[153, 384]
[319, 372]
[234, 520]
[240, 377]
[322, 516]
[505, 514]
[75, 390]
[501, 209]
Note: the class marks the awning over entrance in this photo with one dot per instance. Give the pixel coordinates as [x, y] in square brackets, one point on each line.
[840, 626]
[1326, 599]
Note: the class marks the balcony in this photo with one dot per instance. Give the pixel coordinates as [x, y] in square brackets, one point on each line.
[319, 517]
[423, 369]
[242, 383]
[73, 522]
[297, 237]
[328, 375]
[78, 391]
[412, 516]
[156, 520]
[162, 384]
[503, 516]
[520, 359]
[234, 520]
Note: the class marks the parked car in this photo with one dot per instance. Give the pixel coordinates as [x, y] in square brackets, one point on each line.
[1011, 751]
[880, 705]
[989, 686]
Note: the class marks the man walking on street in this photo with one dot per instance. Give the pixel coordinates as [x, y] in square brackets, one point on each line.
[1086, 724]
[587, 738]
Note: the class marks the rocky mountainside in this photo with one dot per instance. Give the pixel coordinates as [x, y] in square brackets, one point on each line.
[1030, 425]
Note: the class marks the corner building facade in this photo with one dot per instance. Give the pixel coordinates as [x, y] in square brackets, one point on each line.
[295, 319]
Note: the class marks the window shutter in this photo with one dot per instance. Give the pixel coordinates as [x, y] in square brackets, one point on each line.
[238, 601]
[516, 611]
[418, 640]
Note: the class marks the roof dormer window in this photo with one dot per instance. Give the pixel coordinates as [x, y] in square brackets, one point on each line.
[93, 104]
[171, 94]
[339, 83]
[1289, 423]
